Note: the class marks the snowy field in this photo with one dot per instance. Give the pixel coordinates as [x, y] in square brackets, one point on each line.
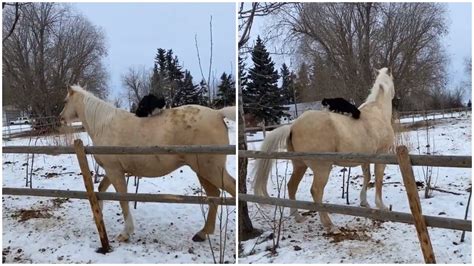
[14, 129]
[364, 240]
[53, 230]
[431, 117]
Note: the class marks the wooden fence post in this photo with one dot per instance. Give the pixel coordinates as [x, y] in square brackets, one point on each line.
[467, 211]
[96, 211]
[415, 205]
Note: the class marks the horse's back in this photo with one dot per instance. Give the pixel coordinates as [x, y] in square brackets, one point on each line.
[185, 125]
[322, 131]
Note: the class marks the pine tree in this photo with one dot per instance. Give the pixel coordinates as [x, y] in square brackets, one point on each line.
[167, 75]
[225, 92]
[159, 79]
[262, 97]
[203, 93]
[287, 85]
[302, 84]
[242, 74]
[188, 93]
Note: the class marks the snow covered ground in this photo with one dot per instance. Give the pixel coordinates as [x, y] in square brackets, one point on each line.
[366, 241]
[430, 117]
[50, 230]
[13, 129]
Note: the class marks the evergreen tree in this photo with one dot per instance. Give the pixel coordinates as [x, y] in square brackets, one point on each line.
[302, 84]
[287, 85]
[167, 76]
[294, 94]
[226, 92]
[203, 93]
[242, 74]
[188, 93]
[159, 78]
[262, 97]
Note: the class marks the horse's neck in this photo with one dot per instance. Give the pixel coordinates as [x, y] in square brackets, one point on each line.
[377, 105]
[99, 119]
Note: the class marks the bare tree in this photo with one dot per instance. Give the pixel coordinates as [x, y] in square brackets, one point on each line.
[344, 42]
[50, 48]
[137, 82]
[16, 18]
[208, 81]
[117, 101]
[246, 19]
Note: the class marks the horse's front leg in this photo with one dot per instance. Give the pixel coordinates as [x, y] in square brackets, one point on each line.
[118, 181]
[363, 191]
[379, 169]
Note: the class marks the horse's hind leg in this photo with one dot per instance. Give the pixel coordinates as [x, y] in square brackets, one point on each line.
[321, 173]
[363, 191]
[379, 168]
[118, 181]
[104, 184]
[211, 191]
[220, 178]
[212, 168]
[299, 168]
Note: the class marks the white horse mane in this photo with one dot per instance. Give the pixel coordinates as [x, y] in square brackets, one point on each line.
[98, 113]
[384, 83]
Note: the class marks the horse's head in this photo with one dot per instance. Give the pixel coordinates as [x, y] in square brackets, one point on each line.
[385, 78]
[70, 109]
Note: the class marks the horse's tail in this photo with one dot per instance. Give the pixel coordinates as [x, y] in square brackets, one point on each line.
[228, 112]
[275, 140]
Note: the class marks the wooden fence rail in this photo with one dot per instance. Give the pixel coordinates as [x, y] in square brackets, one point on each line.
[94, 197]
[141, 197]
[425, 160]
[429, 112]
[433, 221]
[405, 162]
[175, 149]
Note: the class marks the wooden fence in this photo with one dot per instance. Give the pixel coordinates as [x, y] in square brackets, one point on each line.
[431, 112]
[94, 197]
[405, 162]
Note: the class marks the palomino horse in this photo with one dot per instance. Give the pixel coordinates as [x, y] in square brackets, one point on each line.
[320, 131]
[185, 125]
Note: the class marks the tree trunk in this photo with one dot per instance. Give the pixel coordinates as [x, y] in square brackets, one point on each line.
[246, 229]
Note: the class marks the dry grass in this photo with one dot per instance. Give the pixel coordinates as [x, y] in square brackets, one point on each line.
[66, 136]
[402, 136]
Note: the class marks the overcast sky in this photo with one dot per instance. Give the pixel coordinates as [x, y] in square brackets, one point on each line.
[458, 43]
[134, 32]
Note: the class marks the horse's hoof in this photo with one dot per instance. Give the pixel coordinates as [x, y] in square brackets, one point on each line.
[365, 205]
[198, 238]
[123, 237]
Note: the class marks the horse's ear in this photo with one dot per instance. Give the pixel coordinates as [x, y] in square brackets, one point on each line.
[389, 71]
[70, 91]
